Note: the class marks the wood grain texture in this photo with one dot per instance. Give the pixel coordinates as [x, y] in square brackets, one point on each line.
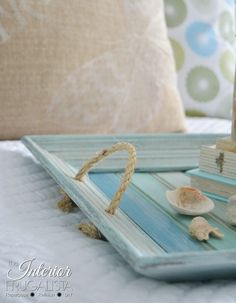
[208, 162]
[145, 231]
[154, 152]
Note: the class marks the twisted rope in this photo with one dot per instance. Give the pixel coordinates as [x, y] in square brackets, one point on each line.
[121, 146]
[67, 204]
[90, 230]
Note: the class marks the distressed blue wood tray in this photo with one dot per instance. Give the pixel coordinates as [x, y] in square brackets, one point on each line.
[151, 237]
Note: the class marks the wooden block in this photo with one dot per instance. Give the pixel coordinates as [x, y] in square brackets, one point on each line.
[216, 187]
[226, 144]
[217, 161]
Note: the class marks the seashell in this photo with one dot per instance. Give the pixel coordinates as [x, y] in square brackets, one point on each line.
[201, 229]
[188, 200]
[231, 210]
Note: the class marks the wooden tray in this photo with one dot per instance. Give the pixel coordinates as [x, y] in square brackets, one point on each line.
[151, 237]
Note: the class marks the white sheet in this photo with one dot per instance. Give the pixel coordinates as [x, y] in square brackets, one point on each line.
[33, 227]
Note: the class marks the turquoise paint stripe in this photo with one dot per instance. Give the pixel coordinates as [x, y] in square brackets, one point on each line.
[159, 226]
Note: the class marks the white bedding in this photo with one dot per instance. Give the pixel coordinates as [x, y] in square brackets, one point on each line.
[33, 227]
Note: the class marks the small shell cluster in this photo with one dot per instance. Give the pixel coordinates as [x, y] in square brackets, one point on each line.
[189, 201]
[201, 229]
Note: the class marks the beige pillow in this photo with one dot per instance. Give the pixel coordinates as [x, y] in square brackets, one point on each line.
[79, 66]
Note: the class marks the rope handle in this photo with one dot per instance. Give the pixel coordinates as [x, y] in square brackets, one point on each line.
[121, 146]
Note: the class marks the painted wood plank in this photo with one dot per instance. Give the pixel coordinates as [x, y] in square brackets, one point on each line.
[161, 227]
[155, 152]
[153, 188]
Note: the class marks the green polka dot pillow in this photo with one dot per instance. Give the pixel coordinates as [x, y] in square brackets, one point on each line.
[202, 37]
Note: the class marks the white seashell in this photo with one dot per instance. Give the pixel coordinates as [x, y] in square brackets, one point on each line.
[201, 229]
[188, 200]
[231, 210]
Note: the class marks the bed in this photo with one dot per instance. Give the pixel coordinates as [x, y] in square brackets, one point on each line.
[34, 229]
